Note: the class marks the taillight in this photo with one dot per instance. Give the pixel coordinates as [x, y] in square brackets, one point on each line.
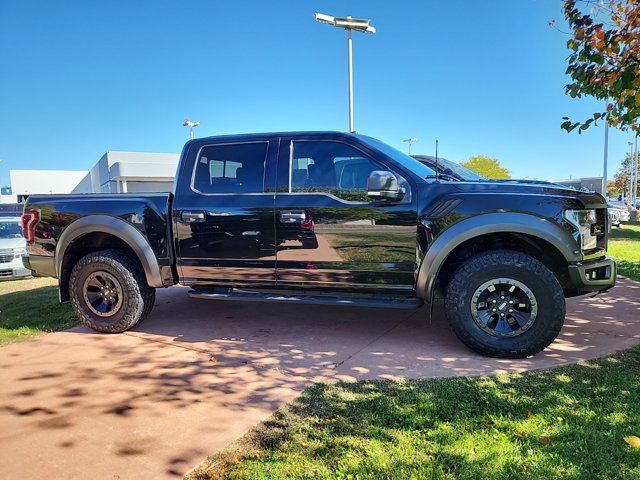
[30, 219]
[307, 224]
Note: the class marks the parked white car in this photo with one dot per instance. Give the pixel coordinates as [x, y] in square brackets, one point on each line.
[618, 213]
[12, 247]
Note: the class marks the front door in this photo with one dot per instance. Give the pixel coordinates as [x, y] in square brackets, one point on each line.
[224, 217]
[329, 234]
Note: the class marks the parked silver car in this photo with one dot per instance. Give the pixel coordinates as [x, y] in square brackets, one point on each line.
[618, 213]
[12, 247]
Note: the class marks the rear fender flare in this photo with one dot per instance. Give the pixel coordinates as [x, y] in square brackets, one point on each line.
[464, 230]
[118, 228]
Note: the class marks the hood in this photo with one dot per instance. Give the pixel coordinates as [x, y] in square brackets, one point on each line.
[529, 182]
[523, 187]
[11, 243]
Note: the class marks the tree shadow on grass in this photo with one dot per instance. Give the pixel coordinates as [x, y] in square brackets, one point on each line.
[568, 422]
[624, 234]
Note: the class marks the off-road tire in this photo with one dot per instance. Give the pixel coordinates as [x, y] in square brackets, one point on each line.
[522, 268]
[138, 297]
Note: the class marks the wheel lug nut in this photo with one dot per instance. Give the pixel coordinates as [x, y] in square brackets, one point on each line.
[510, 311]
[494, 310]
[510, 302]
[501, 297]
[502, 314]
[494, 301]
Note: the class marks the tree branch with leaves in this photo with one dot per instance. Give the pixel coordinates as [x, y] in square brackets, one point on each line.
[605, 60]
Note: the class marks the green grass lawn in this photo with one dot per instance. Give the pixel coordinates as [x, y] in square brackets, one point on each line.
[30, 307]
[624, 246]
[565, 423]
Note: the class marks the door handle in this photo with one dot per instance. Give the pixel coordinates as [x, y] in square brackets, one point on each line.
[189, 216]
[292, 216]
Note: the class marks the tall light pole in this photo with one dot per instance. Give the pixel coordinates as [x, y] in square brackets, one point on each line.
[348, 23]
[634, 176]
[410, 141]
[630, 184]
[191, 125]
[606, 155]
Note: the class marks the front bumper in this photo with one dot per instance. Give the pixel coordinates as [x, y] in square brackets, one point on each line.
[13, 270]
[593, 276]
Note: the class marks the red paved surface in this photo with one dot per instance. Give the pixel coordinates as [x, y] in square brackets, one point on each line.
[197, 374]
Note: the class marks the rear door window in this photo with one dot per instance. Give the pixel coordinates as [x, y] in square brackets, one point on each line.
[231, 168]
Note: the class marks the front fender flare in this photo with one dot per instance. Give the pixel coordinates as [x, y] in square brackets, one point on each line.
[507, 222]
[118, 228]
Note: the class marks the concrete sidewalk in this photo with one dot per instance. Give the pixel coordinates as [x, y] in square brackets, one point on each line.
[154, 402]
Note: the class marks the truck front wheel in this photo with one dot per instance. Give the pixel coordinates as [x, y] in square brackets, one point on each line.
[505, 304]
[109, 292]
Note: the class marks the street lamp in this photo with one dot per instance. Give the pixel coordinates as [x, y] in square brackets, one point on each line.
[606, 155]
[634, 175]
[630, 185]
[348, 23]
[191, 125]
[410, 141]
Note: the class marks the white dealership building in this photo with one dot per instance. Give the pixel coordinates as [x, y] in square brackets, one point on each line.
[115, 172]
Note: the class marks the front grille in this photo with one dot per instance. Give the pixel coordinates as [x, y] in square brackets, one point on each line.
[6, 256]
[6, 273]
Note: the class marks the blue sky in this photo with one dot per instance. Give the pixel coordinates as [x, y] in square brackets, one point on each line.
[79, 78]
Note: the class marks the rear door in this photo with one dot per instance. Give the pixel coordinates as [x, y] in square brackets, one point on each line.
[330, 235]
[224, 214]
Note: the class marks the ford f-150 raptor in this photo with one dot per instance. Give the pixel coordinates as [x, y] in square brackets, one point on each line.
[329, 218]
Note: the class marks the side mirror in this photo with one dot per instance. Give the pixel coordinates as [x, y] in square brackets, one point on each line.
[383, 184]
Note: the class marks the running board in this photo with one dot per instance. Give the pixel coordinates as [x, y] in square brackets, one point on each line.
[409, 303]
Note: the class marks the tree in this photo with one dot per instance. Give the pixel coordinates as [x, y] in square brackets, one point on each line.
[622, 178]
[486, 166]
[605, 60]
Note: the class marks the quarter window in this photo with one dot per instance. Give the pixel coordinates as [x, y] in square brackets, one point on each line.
[237, 168]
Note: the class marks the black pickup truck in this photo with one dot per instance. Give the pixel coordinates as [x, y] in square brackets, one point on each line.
[329, 218]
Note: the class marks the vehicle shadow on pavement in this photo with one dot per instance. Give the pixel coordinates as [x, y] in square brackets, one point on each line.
[326, 342]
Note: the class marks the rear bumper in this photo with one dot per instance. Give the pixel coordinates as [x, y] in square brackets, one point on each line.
[40, 264]
[593, 276]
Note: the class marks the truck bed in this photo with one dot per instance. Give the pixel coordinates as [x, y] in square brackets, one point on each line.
[149, 213]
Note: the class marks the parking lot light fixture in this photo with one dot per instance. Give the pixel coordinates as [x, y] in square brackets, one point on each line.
[410, 141]
[191, 125]
[348, 23]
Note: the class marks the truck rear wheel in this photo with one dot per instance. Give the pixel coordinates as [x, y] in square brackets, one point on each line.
[505, 304]
[109, 292]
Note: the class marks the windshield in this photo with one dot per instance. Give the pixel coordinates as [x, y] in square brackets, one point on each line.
[10, 229]
[410, 163]
[452, 169]
[458, 170]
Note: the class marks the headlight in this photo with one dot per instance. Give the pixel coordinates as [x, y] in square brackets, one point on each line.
[18, 252]
[583, 220]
